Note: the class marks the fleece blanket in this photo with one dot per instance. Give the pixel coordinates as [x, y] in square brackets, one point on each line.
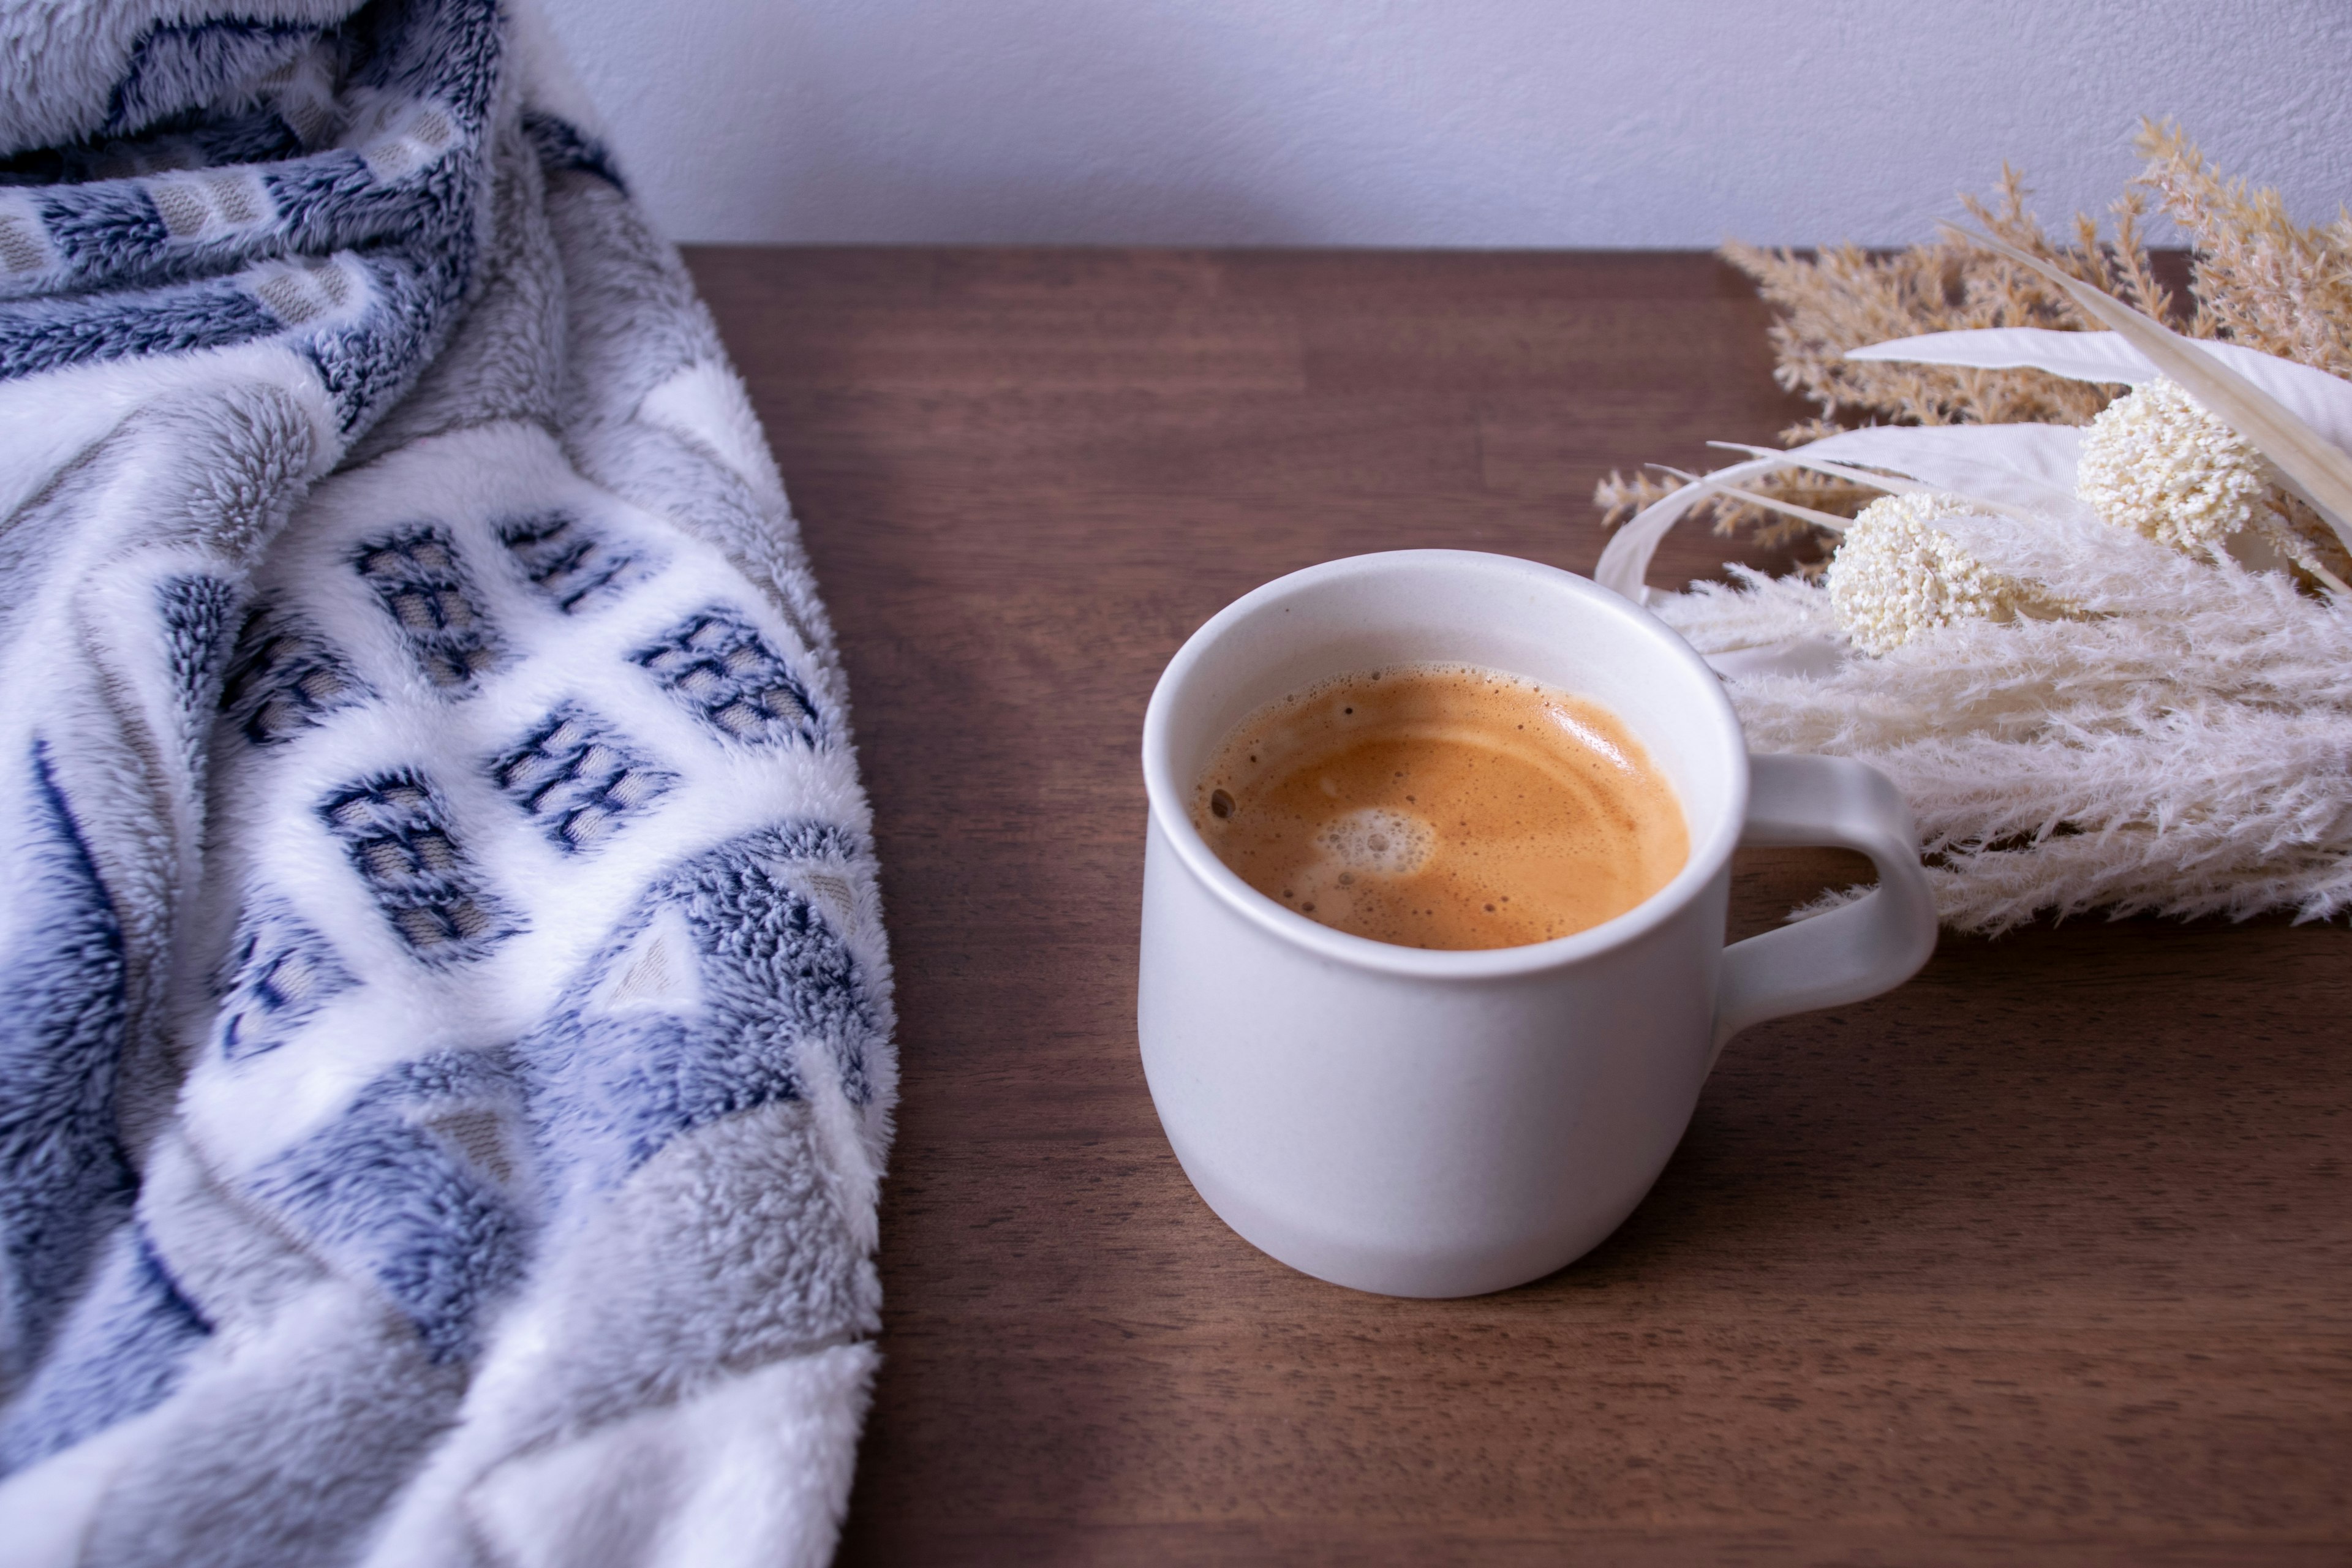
[444, 1021]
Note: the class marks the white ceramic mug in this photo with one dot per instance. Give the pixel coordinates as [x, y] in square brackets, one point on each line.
[1444, 1123]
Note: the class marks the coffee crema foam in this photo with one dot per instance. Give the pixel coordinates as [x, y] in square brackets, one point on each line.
[1441, 805]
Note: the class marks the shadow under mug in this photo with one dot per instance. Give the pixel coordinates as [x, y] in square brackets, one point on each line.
[1444, 1123]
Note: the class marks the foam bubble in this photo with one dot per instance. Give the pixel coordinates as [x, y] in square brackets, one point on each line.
[1381, 842]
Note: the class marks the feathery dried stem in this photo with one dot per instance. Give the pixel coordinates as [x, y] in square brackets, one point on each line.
[2260, 278]
[1845, 298]
[1620, 497]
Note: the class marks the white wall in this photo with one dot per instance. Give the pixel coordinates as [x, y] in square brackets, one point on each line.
[1434, 123]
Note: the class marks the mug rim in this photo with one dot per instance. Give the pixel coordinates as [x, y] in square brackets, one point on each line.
[1165, 795]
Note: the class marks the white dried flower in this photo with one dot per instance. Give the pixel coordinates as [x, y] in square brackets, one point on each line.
[2160, 464]
[1896, 575]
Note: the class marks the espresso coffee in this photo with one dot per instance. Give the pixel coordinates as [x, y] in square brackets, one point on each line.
[1442, 806]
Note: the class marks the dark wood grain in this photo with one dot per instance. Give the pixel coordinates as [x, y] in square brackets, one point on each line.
[2045, 1258]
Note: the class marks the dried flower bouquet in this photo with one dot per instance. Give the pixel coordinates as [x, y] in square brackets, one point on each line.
[2087, 604]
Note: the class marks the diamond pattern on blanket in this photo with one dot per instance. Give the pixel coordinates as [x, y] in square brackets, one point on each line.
[704, 1006]
[571, 565]
[388, 1189]
[578, 777]
[396, 828]
[418, 577]
[284, 679]
[718, 667]
[279, 973]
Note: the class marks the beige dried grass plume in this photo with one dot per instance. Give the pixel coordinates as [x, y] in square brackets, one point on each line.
[2260, 278]
[2257, 278]
[2081, 655]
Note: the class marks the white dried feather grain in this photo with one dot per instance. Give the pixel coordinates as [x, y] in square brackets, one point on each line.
[2319, 399]
[2184, 746]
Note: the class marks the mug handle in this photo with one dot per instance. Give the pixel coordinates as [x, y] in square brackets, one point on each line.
[1871, 945]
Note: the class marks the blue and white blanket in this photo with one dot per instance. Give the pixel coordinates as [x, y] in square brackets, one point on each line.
[444, 1021]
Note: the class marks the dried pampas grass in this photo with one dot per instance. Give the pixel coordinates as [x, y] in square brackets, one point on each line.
[2260, 280]
[2183, 744]
[2109, 669]
[2257, 278]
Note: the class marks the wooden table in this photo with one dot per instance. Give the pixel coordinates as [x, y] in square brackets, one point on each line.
[2046, 1258]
